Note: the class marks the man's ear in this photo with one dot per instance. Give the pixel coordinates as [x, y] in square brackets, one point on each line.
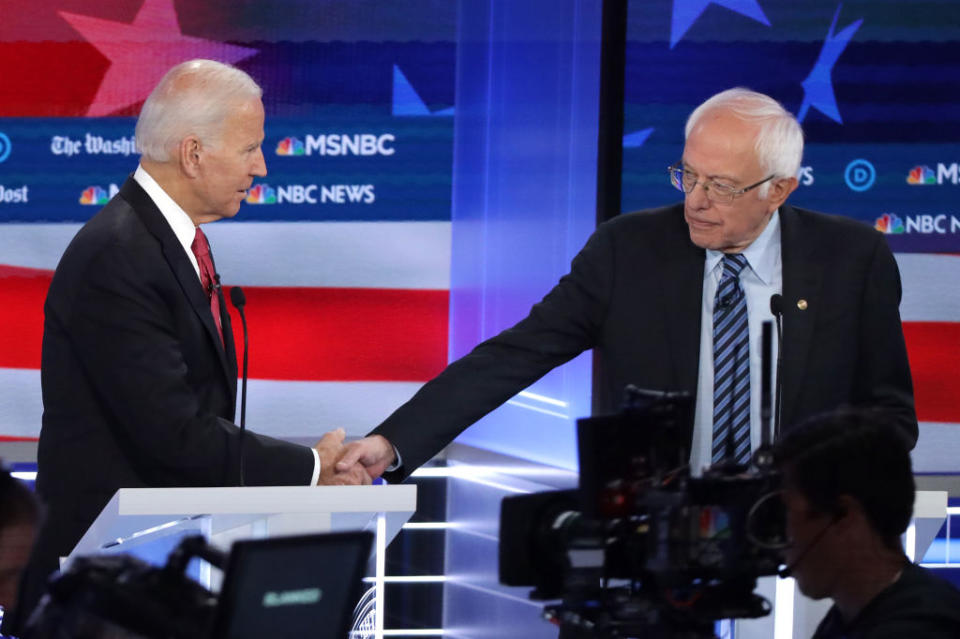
[188, 155]
[780, 190]
[846, 506]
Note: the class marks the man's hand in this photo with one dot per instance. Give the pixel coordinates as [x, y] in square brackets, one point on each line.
[374, 452]
[329, 448]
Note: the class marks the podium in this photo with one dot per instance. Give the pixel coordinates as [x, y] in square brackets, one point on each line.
[137, 516]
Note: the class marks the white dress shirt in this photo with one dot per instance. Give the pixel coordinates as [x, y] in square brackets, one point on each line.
[761, 279]
[185, 230]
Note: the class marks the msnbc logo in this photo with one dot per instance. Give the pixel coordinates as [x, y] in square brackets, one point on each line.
[337, 144]
[921, 174]
[262, 194]
[889, 223]
[290, 146]
[94, 196]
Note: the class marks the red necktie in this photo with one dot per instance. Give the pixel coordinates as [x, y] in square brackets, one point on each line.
[201, 249]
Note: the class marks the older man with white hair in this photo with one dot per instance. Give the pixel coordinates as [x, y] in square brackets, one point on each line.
[139, 369]
[674, 298]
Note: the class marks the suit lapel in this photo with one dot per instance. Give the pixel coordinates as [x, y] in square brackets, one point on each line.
[184, 272]
[802, 278]
[681, 300]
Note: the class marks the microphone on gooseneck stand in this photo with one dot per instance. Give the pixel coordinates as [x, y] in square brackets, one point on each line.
[776, 307]
[763, 458]
[239, 301]
[766, 346]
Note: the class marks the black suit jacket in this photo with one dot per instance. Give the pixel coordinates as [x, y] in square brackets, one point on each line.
[138, 390]
[634, 295]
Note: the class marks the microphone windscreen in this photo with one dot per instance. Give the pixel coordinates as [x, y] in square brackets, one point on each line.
[237, 296]
[776, 304]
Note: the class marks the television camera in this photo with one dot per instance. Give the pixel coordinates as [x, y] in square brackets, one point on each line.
[645, 547]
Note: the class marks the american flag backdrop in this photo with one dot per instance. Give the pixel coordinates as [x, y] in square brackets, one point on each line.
[343, 249]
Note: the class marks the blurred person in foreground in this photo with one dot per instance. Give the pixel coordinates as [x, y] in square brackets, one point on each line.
[19, 517]
[849, 492]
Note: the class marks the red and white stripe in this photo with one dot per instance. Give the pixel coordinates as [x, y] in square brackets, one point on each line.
[348, 319]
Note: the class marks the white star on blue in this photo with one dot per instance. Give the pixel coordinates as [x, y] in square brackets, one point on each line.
[686, 12]
[818, 87]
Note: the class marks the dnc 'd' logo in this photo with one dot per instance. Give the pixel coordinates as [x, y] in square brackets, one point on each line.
[889, 223]
[5, 146]
[921, 174]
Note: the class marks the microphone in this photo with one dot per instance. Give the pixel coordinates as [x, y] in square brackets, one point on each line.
[787, 570]
[776, 307]
[239, 300]
[766, 340]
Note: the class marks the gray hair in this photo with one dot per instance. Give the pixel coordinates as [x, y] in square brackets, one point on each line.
[779, 143]
[193, 98]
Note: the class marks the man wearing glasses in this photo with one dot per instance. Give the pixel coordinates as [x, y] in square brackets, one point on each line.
[674, 299]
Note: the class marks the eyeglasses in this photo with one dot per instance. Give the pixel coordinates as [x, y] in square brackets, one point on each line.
[718, 192]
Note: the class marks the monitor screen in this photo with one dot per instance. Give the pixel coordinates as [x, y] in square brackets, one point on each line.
[304, 586]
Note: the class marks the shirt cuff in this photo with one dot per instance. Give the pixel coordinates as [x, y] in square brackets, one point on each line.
[316, 467]
[396, 464]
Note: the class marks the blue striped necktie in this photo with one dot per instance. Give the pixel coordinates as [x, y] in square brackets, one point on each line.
[731, 365]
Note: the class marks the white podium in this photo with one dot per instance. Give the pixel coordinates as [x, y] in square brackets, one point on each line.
[137, 516]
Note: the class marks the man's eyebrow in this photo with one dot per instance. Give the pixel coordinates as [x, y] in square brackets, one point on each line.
[715, 176]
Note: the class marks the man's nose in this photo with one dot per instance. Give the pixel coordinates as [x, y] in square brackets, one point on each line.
[697, 198]
[259, 165]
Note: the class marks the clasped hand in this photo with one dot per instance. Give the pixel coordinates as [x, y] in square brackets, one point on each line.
[356, 463]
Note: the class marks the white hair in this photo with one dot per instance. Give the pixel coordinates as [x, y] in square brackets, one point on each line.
[779, 143]
[193, 98]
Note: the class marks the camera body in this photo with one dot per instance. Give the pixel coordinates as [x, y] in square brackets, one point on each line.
[642, 547]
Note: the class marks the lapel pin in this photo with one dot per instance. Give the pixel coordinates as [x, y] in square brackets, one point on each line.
[802, 304]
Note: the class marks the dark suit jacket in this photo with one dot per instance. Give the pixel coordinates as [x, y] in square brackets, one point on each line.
[634, 294]
[138, 390]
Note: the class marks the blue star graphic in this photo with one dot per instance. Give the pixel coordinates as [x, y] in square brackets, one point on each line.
[818, 87]
[406, 101]
[636, 139]
[686, 12]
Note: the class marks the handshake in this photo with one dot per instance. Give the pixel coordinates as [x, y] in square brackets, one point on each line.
[357, 463]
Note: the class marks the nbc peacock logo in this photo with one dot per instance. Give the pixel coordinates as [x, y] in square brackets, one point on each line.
[290, 146]
[921, 174]
[262, 194]
[889, 223]
[94, 196]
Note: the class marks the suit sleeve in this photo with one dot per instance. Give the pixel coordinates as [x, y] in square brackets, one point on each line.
[884, 377]
[562, 325]
[127, 338]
